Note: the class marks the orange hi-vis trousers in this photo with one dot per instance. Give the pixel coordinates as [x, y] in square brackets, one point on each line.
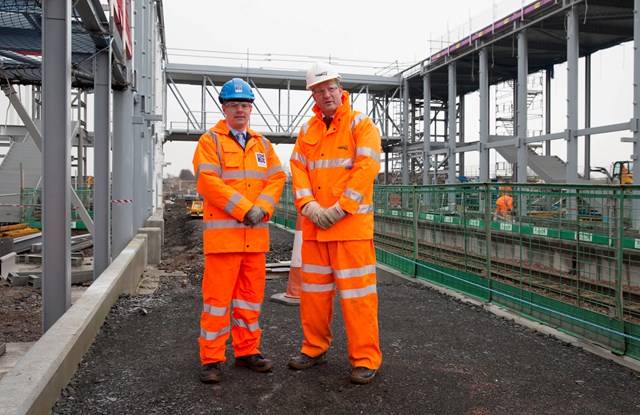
[237, 280]
[349, 266]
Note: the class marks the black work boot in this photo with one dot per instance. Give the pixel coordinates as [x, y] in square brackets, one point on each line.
[304, 361]
[362, 375]
[255, 362]
[211, 372]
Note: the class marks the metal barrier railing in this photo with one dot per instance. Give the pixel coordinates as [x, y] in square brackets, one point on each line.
[565, 255]
[31, 207]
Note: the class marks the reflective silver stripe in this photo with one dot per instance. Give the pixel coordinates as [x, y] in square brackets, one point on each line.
[242, 174]
[295, 156]
[326, 164]
[267, 198]
[317, 288]
[230, 224]
[246, 305]
[215, 311]
[214, 138]
[265, 142]
[316, 269]
[208, 167]
[365, 209]
[368, 152]
[358, 292]
[355, 272]
[353, 195]
[212, 335]
[273, 170]
[356, 120]
[241, 323]
[303, 193]
[232, 203]
[305, 127]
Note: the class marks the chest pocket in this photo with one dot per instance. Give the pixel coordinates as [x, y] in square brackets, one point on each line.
[232, 155]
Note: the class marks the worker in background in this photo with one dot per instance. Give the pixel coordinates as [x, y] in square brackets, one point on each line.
[240, 178]
[334, 162]
[504, 205]
[625, 176]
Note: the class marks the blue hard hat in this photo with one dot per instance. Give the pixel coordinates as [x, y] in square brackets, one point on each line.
[236, 90]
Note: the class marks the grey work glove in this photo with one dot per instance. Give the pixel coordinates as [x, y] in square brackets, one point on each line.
[315, 213]
[334, 213]
[254, 216]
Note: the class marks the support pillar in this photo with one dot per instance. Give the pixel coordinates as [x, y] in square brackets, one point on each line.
[522, 112]
[426, 145]
[572, 96]
[56, 116]
[452, 121]
[102, 166]
[484, 115]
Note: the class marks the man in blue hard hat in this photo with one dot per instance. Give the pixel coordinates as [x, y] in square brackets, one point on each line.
[240, 178]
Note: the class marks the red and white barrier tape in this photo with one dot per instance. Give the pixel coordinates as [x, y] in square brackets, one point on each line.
[121, 201]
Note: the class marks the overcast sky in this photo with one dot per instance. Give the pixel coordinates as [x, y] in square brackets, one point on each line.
[368, 34]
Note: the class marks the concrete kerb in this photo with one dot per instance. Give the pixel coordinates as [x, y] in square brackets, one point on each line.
[34, 384]
[154, 244]
[388, 274]
[157, 221]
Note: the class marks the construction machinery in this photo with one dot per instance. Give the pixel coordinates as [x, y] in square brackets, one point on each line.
[196, 208]
[621, 172]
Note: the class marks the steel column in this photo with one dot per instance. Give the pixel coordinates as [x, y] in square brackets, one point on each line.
[522, 111]
[572, 95]
[56, 116]
[405, 132]
[123, 137]
[452, 130]
[102, 170]
[636, 110]
[484, 115]
[587, 117]
[426, 119]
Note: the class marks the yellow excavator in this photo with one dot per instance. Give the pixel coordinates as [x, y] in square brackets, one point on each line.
[196, 208]
[621, 172]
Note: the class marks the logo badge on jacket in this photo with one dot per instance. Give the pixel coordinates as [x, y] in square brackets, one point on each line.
[343, 148]
[261, 160]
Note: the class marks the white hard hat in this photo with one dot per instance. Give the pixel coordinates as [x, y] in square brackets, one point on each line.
[320, 72]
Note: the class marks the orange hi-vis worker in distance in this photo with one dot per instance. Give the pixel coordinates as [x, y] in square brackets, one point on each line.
[504, 205]
[334, 163]
[240, 178]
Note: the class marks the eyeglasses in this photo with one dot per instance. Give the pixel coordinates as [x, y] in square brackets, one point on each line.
[233, 106]
[321, 91]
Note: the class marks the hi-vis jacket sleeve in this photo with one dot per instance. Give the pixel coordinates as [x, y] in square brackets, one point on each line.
[366, 165]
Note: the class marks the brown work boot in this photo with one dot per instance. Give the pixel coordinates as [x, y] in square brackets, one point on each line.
[255, 362]
[362, 375]
[304, 361]
[211, 372]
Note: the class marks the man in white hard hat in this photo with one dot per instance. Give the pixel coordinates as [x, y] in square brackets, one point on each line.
[334, 163]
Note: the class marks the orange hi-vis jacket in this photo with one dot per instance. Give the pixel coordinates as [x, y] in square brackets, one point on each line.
[338, 164]
[231, 180]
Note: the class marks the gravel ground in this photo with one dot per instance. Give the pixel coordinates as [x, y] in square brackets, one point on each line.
[440, 356]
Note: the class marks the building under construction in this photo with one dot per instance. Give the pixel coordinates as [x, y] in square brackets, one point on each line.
[99, 87]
